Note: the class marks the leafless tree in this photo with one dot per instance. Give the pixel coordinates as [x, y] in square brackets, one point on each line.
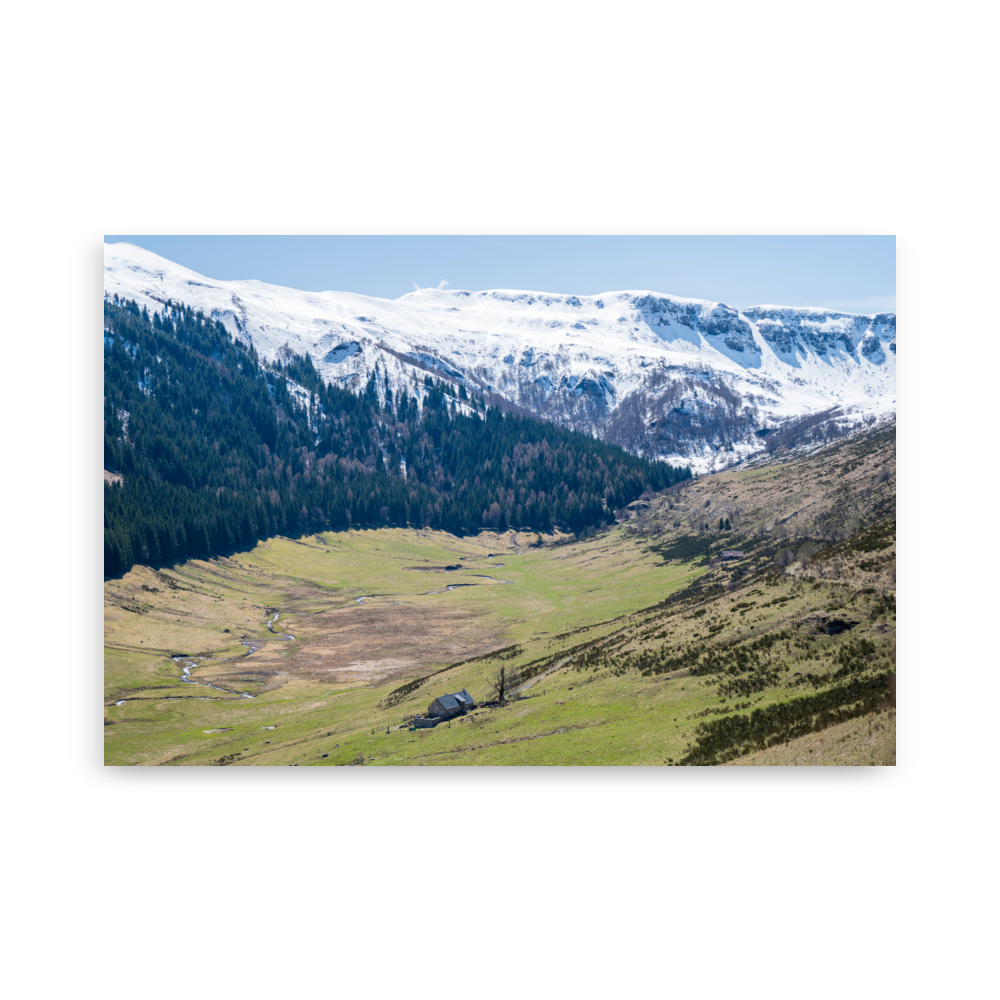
[806, 552]
[503, 684]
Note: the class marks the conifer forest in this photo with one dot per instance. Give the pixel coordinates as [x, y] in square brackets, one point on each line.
[213, 448]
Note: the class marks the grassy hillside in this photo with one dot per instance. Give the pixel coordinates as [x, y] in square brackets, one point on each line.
[636, 645]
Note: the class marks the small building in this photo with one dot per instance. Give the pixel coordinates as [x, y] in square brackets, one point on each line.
[445, 707]
[732, 554]
[635, 508]
[450, 705]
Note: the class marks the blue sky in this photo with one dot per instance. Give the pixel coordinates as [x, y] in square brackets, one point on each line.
[853, 273]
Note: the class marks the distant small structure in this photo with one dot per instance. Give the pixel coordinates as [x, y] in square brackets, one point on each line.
[732, 554]
[635, 508]
[445, 707]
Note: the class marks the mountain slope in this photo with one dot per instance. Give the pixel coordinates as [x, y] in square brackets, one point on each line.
[211, 450]
[687, 380]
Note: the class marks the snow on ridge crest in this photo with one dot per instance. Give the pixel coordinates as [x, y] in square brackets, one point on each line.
[621, 364]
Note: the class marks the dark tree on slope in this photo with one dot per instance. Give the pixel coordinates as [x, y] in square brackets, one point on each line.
[504, 683]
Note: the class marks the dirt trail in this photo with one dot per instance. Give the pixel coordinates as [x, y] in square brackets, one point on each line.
[551, 670]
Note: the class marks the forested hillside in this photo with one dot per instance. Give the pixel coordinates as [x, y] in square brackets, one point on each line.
[217, 449]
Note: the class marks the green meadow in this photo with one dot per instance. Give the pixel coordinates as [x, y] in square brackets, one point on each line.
[614, 642]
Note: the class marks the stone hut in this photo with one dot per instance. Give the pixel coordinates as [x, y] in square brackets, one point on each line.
[445, 707]
[450, 705]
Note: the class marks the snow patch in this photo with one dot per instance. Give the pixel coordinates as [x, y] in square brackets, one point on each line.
[781, 361]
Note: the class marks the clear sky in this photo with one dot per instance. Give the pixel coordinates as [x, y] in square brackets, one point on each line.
[852, 273]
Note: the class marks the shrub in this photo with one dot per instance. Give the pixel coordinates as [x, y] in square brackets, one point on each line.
[736, 735]
[806, 552]
[685, 548]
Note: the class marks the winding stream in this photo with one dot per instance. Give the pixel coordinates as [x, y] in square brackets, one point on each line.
[189, 663]
[270, 628]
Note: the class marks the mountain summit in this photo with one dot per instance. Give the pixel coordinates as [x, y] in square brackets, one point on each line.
[695, 382]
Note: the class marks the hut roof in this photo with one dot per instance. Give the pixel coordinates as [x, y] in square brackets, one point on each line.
[453, 702]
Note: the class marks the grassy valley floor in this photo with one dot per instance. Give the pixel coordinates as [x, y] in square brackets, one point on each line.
[638, 645]
[336, 680]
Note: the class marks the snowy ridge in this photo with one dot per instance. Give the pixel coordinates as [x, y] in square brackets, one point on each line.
[685, 379]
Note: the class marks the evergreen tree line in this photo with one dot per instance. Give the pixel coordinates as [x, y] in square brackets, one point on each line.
[217, 449]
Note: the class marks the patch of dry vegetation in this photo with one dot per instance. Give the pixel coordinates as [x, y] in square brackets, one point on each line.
[866, 742]
[821, 497]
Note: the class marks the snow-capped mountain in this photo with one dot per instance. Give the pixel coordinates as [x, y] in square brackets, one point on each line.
[687, 380]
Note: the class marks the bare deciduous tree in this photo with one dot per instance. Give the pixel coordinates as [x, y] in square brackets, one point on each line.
[806, 552]
[504, 683]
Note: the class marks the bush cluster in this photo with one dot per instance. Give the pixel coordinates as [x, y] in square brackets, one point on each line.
[737, 735]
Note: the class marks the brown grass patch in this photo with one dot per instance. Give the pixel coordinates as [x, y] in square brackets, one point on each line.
[866, 742]
[381, 641]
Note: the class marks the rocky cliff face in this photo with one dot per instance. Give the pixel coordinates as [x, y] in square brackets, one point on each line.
[718, 323]
[822, 332]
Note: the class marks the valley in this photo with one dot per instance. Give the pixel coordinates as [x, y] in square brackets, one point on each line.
[637, 643]
[633, 528]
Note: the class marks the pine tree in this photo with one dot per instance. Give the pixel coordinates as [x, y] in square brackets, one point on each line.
[216, 451]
